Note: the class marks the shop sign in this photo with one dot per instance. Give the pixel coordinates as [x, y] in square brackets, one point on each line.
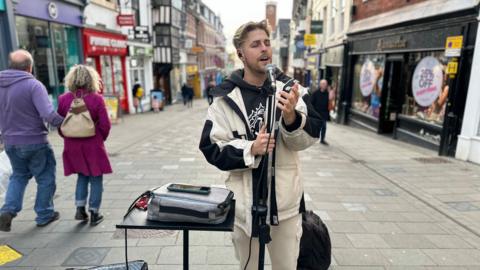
[196, 49]
[126, 20]
[52, 10]
[399, 43]
[141, 33]
[2, 5]
[108, 42]
[309, 40]
[427, 81]
[453, 46]
[316, 27]
[104, 44]
[367, 78]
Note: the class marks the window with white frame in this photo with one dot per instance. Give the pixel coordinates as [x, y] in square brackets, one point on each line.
[341, 18]
[333, 12]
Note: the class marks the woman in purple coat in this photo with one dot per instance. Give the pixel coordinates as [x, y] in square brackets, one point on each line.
[86, 157]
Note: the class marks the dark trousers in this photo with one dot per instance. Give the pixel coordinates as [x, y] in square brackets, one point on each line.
[323, 130]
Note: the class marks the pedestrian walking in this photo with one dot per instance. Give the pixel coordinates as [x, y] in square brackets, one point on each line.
[209, 92]
[320, 101]
[24, 109]
[234, 139]
[138, 92]
[86, 157]
[190, 95]
[185, 93]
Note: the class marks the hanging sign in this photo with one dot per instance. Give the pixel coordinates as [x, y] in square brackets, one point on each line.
[427, 81]
[367, 78]
[309, 40]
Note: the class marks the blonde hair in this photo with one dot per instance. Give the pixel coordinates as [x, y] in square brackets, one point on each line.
[82, 77]
[242, 31]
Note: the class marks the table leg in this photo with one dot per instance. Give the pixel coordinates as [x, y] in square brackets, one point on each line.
[185, 249]
[126, 252]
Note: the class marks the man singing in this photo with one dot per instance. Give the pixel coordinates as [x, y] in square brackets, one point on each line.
[234, 139]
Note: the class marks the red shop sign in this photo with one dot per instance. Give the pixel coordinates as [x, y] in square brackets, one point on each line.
[103, 43]
[126, 20]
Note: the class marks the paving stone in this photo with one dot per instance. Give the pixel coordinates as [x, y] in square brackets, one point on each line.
[359, 257]
[448, 241]
[410, 257]
[117, 255]
[421, 228]
[355, 207]
[86, 256]
[367, 241]
[221, 256]
[56, 256]
[173, 255]
[407, 241]
[460, 257]
[381, 227]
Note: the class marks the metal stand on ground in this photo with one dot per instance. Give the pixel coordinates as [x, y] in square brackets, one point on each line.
[260, 209]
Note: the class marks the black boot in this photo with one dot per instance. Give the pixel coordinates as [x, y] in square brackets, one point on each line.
[95, 218]
[81, 213]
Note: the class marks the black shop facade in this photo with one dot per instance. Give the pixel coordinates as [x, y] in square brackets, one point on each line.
[401, 81]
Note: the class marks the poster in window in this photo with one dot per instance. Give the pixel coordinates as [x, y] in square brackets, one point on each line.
[427, 81]
[367, 78]
[111, 102]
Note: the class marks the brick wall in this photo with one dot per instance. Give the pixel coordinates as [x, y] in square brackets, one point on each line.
[369, 8]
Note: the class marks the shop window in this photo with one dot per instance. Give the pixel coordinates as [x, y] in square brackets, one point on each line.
[106, 63]
[66, 50]
[118, 76]
[34, 36]
[427, 87]
[367, 84]
[54, 48]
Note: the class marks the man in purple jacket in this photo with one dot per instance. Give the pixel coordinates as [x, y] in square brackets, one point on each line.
[24, 109]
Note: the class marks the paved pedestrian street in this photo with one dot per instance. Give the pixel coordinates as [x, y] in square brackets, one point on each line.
[387, 204]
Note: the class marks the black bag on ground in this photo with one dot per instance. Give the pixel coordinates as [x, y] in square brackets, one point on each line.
[315, 246]
[133, 265]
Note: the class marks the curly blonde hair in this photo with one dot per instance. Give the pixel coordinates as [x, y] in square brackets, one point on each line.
[82, 77]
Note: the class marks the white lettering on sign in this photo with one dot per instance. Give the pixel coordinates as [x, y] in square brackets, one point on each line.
[427, 81]
[107, 42]
[367, 78]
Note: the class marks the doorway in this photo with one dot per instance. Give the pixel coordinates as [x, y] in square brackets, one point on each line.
[391, 98]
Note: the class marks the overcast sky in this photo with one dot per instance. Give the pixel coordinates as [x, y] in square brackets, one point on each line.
[234, 13]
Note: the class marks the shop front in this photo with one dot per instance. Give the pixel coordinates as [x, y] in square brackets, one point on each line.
[332, 67]
[50, 31]
[399, 81]
[106, 52]
[140, 62]
[312, 74]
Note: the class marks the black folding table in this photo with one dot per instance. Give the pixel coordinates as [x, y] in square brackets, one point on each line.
[137, 219]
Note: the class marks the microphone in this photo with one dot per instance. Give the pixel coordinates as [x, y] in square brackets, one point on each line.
[270, 69]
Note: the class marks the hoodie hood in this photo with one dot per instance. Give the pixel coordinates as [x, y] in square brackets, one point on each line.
[11, 76]
[236, 79]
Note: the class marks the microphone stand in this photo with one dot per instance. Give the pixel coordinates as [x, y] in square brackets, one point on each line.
[260, 210]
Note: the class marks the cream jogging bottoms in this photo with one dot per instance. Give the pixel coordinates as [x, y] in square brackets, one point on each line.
[283, 249]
